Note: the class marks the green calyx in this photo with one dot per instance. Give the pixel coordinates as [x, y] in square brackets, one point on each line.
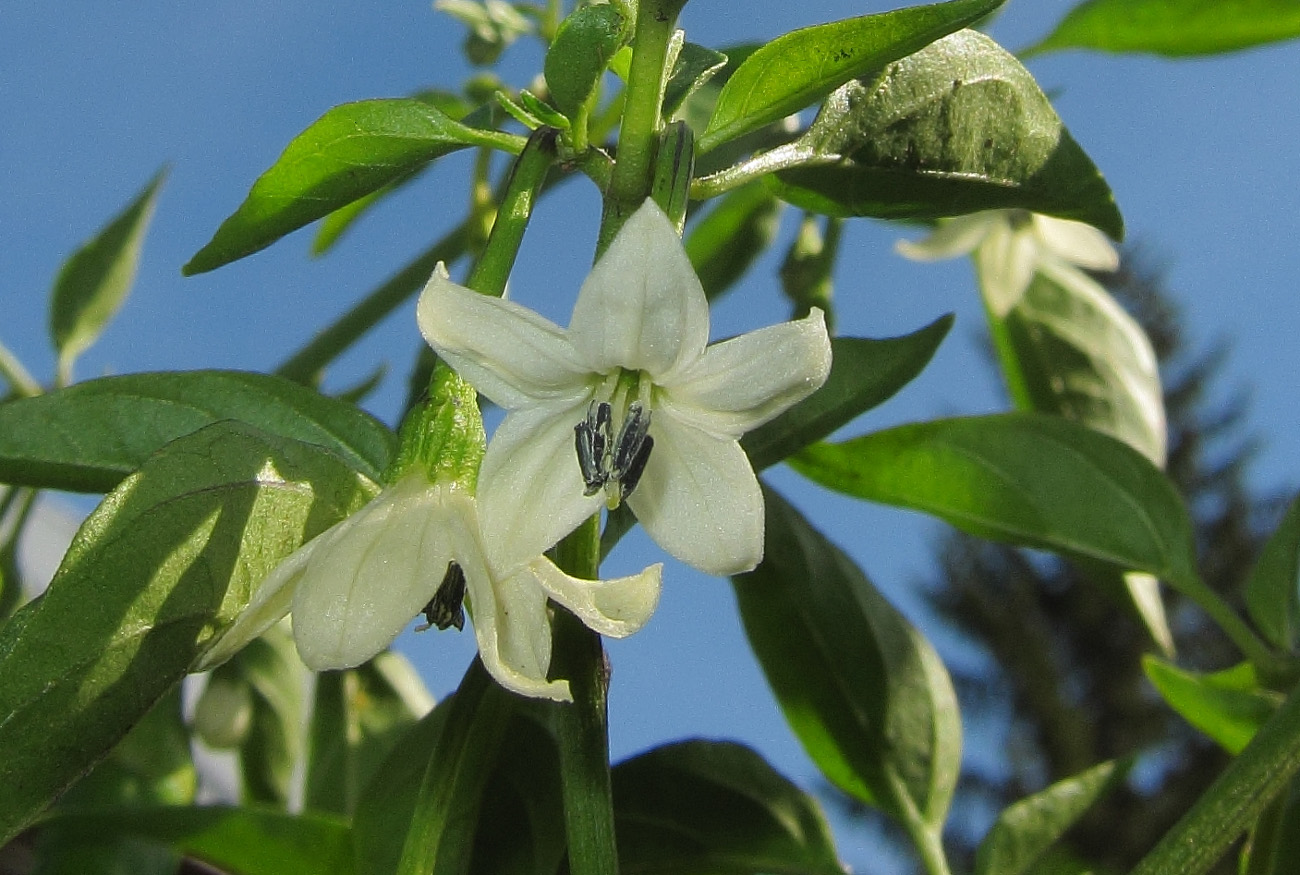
[443, 434]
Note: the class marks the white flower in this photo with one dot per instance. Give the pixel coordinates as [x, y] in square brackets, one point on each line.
[353, 588]
[627, 403]
[1010, 246]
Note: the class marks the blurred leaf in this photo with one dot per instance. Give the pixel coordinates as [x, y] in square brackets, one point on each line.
[958, 127]
[270, 750]
[694, 66]
[801, 67]
[1273, 588]
[580, 52]
[716, 807]
[1025, 830]
[160, 567]
[1229, 706]
[87, 437]
[863, 690]
[1173, 27]
[94, 282]
[349, 152]
[360, 714]
[1022, 478]
[864, 374]
[248, 841]
[1274, 844]
[724, 244]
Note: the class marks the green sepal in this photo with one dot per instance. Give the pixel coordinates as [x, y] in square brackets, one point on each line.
[443, 434]
[674, 164]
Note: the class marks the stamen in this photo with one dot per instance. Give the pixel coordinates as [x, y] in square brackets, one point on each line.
[632, 476]
[591, 438]
[447, 607]
[630, 437]
[605, 463]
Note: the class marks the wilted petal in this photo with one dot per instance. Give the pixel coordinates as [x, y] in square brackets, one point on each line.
[616, 607]
[530, 489]
[508, 352]
[1076, 242]
[699, 499]
[952, 237]
[745, 381]
[642, 306]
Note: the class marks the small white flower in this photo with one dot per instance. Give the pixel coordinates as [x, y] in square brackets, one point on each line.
[628, 403]
[1010, 246]
[353, 588]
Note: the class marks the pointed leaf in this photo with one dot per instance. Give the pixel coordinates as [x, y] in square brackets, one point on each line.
[1229, 706]
[800, 68]
[862, 689]
[958, 127]
[1173, 27]
[724, 244]
[580, 52]
[87, 437]
[349, 152]
[162, 565]
[1273, 589]
[693, 67]
[1022, 478]
[94, 282]
[717, 807]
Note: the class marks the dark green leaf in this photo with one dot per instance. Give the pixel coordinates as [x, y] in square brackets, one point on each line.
[164, 563]
[346, 154]
[1229, 706]
[87, 437]
[958, 127]
[580, 52]
[800, 68]
[248, 841]
[865, 693]
[724, 244]
[1273, 589]
[693, 67]
[1025, 830]
[864, 373]
[94, 282]
[716, 807]
[1173, 27]
[1023, 478]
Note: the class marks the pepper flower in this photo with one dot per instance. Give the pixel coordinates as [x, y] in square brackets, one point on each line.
[1010, 246]
[629, 403]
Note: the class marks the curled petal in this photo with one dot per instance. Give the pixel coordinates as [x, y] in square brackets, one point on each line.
[743, 382]
[699, 499]
[530, 489]
[642, 306]
[1076, 242]
[616, 607]
[951, 238]
[508, 352]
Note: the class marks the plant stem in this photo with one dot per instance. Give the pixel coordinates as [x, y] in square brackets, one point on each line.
[18, 377]
[925, 837]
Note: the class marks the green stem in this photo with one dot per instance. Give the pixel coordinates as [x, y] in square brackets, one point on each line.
[925, 837]
[18, 377]
[780, 158]
[1250, 644]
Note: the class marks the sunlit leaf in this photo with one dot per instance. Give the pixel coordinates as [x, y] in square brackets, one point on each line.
[1229, 706]
[1173, 27]
[580, 52]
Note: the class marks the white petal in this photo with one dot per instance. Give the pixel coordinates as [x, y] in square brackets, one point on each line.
[1076, 242]
[616, 607]
[743, 382]
[1005, 263]
[507, 352]
[370, 579]
[530, 487]
[642, 306]
[952, 237]
[699, 499]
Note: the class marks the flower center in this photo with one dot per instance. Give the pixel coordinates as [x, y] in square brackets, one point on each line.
[447, 607]
[614, 441]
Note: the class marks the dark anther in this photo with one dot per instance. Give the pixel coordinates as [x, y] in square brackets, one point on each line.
[635, 430]
[447, 607]
[632, 476]
[592, 438]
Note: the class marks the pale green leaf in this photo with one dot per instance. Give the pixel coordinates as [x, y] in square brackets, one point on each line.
[1173, 27]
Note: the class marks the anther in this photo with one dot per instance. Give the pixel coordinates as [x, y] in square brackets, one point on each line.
[632, 476]
[447, 607]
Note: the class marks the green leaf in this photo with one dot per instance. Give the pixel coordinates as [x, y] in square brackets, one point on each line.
[958, 127]
[1274, 844]
[1229, 706]
[716, 807]
[580, 52]
[1025, 830]
[863, 690]
[87, 437]
[248, 841]
[1273, 588]
[1173, 27]
[724, 244]
[349, 152]
[93, 283]
[800, 68]
[864, 374]
[160, 567]
[269, 753]
[1022, 478]
[692, 68]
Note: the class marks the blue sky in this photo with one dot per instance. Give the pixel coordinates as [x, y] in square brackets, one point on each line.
[96, 97]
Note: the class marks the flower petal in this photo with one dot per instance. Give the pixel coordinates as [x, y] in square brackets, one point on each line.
[1005, 263]
[699, 499]
[951, 238]
[530, 489]
[616, 607]
[507, 352]
[743, 382]
[642, 306]
[1076, 242]
[371, 577]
